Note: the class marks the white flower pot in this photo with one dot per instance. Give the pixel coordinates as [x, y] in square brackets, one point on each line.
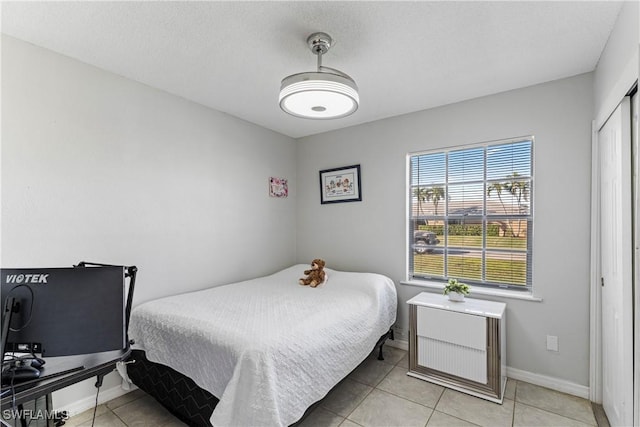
[455, 296]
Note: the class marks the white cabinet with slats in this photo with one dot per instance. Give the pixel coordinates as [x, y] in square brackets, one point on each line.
[460, 345]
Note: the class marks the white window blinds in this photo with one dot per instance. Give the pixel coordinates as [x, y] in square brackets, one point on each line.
[470, 214]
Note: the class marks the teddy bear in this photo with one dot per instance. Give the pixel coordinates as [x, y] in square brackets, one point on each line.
[315, 276]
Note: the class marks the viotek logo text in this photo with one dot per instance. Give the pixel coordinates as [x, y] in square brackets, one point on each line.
[27, 278]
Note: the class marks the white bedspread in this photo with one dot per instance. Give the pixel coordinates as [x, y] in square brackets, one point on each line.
[268, 348]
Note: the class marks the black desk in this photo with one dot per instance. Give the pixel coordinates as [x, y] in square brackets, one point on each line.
[95, 365]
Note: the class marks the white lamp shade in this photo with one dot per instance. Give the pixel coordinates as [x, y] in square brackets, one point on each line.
[319, 95]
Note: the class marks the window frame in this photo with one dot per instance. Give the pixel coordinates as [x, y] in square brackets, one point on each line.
[483, 286]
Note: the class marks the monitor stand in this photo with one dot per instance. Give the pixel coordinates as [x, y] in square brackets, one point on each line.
[14, 371]
[9, 308]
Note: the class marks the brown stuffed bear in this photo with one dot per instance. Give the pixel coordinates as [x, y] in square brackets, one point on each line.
[315, 276]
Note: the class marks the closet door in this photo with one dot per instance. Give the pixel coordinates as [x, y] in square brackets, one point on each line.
[614, 140]
[635, 150]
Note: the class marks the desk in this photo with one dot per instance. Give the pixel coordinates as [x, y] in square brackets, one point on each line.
[95, 365]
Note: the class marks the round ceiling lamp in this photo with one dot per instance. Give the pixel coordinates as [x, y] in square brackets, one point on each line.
[323, 94]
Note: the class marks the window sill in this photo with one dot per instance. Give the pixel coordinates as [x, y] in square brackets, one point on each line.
[476, 290]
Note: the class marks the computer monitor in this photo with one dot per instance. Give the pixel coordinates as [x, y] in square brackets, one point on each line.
[65, 311]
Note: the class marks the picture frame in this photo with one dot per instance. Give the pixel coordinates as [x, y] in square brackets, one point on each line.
[339, 185]
[278, 187]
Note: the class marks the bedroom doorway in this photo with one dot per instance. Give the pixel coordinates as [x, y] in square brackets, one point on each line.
[616, 251]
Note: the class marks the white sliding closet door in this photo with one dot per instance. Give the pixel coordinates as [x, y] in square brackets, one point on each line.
[614, 141]
[635, 150]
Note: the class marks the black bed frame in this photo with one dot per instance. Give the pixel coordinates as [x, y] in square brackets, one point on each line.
[180, 394]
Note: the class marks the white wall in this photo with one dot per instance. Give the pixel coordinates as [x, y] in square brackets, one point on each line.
[370, 235]
[617, 68]
[99, 168]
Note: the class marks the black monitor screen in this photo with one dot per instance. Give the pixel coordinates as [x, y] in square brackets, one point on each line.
[66, 311]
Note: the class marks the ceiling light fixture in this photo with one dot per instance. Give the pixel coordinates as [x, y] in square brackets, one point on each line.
[323, 94]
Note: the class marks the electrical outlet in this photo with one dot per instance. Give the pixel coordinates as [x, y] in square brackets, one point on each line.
[552, 343]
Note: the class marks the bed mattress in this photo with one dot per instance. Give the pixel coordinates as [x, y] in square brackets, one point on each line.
[267, 348]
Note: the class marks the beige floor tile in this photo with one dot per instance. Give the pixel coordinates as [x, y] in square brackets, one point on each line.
[399, 383]
[525, 416]
[77, 419]
[510, 391]
[404, 362]
[556, 402]
[107, 419]
[391, 355]
[143, 412]
[476, 410]
[381, 409]
[396, 400]
[439, 419]
[321, 417]
[371, 372]
[601, 416]
[343, 399]
[125, 398]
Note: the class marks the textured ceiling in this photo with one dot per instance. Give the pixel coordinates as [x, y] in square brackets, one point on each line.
[404, 56]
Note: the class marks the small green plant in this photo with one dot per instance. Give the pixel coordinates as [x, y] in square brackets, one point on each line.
[455, 286]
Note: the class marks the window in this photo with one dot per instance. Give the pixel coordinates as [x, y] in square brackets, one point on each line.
[470, 214]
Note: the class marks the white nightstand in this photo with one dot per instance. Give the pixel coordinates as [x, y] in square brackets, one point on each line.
[460, 345]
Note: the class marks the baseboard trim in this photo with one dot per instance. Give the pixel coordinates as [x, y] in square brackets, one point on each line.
[89, 402]
[556, 384]
[398, 343]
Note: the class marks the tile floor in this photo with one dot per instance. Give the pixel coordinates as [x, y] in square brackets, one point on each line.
[379, 393]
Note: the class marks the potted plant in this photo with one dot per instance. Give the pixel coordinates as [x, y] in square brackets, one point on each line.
[456, 290]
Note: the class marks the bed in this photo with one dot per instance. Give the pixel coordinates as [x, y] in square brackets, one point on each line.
[262, 351]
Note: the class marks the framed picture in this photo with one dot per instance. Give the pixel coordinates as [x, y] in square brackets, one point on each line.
[340, 185]
[278, 187]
